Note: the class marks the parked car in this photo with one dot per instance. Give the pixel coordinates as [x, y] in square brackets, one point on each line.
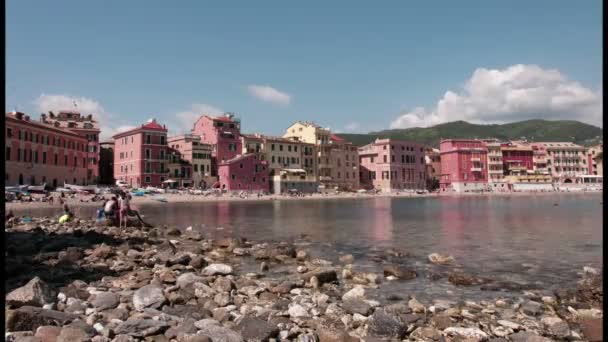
[122, 184]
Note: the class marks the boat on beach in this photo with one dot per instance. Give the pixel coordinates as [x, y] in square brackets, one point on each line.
[81, 188]
[37, 188]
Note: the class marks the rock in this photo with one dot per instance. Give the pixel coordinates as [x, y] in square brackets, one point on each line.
[301, 255]
[425, 334]
[328, 334]
[356, 305]
[185, 327]
[526, 336]
[215, 269]
[473, 334]
[198, 262]
[255, 329]
[180, 259]
[188, 278]
[298, 311]
[347, 259]
[383, 324]
[322, 275]
[213, 329]
[283, 287]
[35, 293]
[439, 259]
[415, 305]
[441, 321]
[223, 284]
[509, 324]
[556, 326]
[149, 296]
[264, 267]
[222, 299]
[141, 327]
[592, 328]
[532, 308]
[399, 272]
[307, 338]
[48, 333]
[173, 232]
[72, 334]
[356, 292]
[105, 300]
[459, 278]
[302, 269]
[30, 318]
[102, 252]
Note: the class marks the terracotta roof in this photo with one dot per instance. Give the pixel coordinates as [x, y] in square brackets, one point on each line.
[336, 138]
[240, 157]
[39, 124]
[153, 125]
[220, 118]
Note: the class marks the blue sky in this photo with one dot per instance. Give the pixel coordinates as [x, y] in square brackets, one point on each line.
[351, 66]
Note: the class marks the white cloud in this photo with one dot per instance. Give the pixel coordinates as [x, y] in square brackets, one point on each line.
[108, 124]
[186, 119]
[351, 127]
[519, 92]
[269, 94]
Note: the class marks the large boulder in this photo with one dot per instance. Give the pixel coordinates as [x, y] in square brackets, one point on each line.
[217, 333]
[141, 327]
[215, 269]
[255, 329]
[35, 293]
[149, 296]
[386, 325]
[30, 318]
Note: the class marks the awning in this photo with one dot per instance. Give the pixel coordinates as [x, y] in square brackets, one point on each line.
[170, 181]
[294, 170]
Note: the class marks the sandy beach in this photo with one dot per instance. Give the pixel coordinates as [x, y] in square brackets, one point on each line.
[85, 200]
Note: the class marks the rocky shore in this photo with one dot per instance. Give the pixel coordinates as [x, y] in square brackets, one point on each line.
[83, 282]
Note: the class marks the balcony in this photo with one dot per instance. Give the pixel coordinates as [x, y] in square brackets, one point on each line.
[475, 159]
[495, 162]
[495, 171]
[476, 169]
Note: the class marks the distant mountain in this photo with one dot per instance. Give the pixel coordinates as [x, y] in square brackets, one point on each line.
[531, 130]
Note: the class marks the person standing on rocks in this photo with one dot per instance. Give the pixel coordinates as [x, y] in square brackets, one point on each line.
[123, 216]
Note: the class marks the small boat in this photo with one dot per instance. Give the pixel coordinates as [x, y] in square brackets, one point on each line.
[16, 189]
[160, 199]
[137, 193]
[420, 192]
[81, 188]
[37, 189]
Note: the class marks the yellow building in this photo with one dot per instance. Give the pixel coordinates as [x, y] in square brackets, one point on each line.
[198, 155]
[566, 161]
[592, 153]
[337, 160]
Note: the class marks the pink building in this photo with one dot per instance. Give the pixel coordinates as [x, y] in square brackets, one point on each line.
[38, 153]
[140, 155]
[517, 158]
[223, 133]
[390, 165]
[245, 172]
[84, 126]
[463, 165]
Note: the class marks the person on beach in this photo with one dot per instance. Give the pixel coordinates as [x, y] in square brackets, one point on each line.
[123, 216]
[109, 209]
[67, 214]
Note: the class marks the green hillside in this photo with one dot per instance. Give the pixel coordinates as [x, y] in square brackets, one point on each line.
[531, 130]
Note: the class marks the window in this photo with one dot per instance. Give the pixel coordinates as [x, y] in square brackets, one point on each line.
[371, 159]
[147, 179]
[393, 158]
[240, 165]
[272, 159]
[232, 176]
[65, 160]
[295, 148]
[8, 153]
[148, 153]
[162, 139]
[148, 139]
[36, 157]
[18, 154]
[9, 133]
[56, 159]
[384, 157]
[289, 148]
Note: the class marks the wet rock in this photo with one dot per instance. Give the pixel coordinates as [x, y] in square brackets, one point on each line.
[441, 321]
[330, 334]
[439, 259]
[460, 278]
[356, 305]
[322, 275]
[102, 252]
[173, 232]
[592, 329]
[188, 278]
[473, 334]
[72, 334]
[213, 329]
[415, 305]
[399, 272]
[283, 287]
[48, 333]
[149, 296]
[383, 324]
[141, 327]
[30, 318]
[180, 259]
[217, 269]
[35, 293]
[104, 300]
[255, 329]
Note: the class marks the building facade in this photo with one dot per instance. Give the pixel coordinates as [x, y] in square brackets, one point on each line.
[198, 155]
[38, 153]
[140, 155]
[566, 161]
[592, 164]
[318, 136]
[223, 133]
[289, 180]
[244, 173]
[106, 163]
[179, 170]
[495, 165]
[463, 165]
[517, 158]
[84, 126]
[392, 165]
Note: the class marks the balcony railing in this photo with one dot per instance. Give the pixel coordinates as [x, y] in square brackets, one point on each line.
[475, 159]
[476, 169]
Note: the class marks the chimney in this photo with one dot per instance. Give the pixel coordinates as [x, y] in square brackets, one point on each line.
[27, 118]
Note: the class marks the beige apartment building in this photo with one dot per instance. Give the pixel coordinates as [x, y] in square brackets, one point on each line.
[595, 167]
[566, 161]
[495, 164]
[197, 154]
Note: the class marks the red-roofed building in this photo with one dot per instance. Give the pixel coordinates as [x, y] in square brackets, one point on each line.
[140, 155]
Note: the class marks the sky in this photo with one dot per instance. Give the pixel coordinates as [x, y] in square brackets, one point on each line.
[347, 65]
